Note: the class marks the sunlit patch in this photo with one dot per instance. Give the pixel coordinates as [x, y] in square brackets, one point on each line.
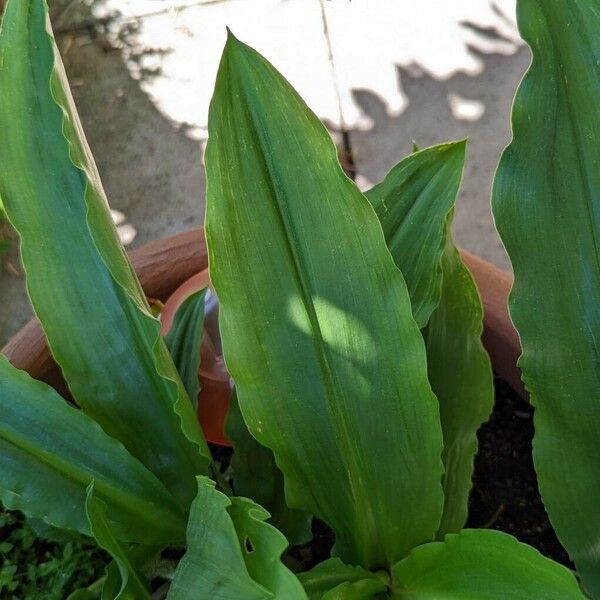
[326, 49]
[339, 329]
[464, 109]
[126, 231]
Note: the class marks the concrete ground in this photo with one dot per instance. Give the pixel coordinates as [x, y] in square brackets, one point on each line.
[383, 71]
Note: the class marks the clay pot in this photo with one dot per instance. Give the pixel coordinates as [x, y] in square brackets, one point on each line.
[165, 265]
[213, 399]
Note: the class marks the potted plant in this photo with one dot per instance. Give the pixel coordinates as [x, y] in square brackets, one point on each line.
[349, 324]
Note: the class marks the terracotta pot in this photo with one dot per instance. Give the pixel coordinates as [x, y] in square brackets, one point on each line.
[213, 400]
[165, 265]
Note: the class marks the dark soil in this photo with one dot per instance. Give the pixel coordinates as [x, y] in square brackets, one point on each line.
[505, 494]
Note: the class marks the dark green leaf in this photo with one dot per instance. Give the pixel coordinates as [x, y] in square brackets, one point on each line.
[232, 554]
[132, 585]
[333, 574]
[52, 451]
[481, 565]
[138, 557]
[82, 287]
[184, 339]
[357, 590]
[415, 205]
[256, 476]
[547, 209]
[329, 364]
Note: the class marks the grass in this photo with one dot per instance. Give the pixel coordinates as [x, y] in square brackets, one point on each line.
[41, 563]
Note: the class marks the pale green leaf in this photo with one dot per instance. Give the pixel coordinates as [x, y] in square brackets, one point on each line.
[479, 564]
[232, 554]
[184, 339]
[329, 364]
[256, 476]
[132, 586]
[415, 206]
[51, 452]
[547, 209]
[82, 287]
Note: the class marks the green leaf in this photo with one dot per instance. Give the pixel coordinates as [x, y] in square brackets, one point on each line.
[256, 476]
[138, 556]
[412, 204]
[481, 565]
[415, 203]
[357, 590]
[461, 375]
[547, 210]
[132, 585]
[232, 554]
[82, 287]
[329, 364]
[333, 574]
[184, 339]
[52, 451]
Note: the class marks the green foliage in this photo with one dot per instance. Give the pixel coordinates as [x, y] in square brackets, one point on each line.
[481, 565]
[35, 568]
[349, 323]
[183, 342]
[414, 204]
[132, 586]
[257, 476]
[232, 553]
[55, 201]
[321, 374]
[547, 210]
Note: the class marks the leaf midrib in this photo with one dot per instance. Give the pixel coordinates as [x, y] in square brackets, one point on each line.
[334, 401]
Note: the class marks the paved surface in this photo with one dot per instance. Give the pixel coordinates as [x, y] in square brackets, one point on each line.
[384, 71]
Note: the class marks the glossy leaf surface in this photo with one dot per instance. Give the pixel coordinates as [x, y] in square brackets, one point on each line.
[415, 206]
[232, 554]
[317, 330]
[132, 586]
[81, 284]
[184, 339]
[547, 209]
[50, 454]
[256, 476]
[332, 578]
[479, 564]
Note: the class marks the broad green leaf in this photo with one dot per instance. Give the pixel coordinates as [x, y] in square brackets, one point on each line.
[333, 574]
[232, 554]
[82, 287]
[415, 206]
[479, 564]
[132, 585]
[317, 330]
[547, 210]
[184, 339]
[51, 452]
[256, 476]
[412, 204]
